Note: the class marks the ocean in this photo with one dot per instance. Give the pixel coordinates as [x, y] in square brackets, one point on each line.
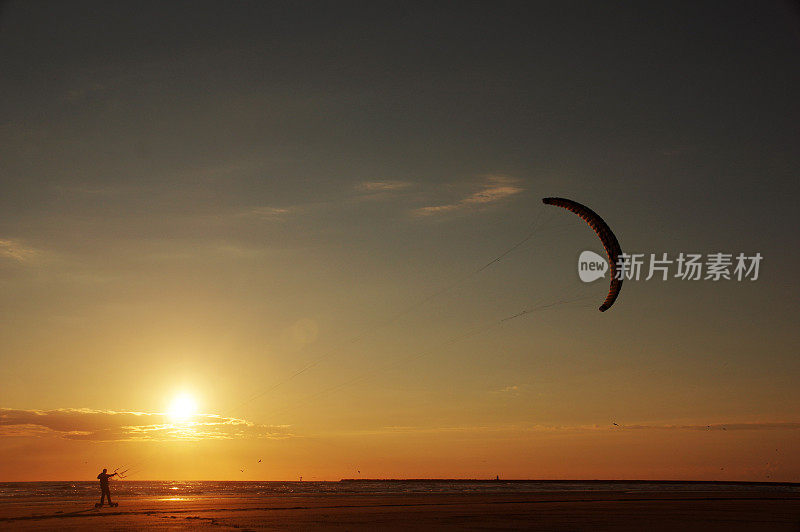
[195, 489]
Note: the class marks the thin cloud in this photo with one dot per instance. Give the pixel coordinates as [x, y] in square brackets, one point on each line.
[717, 426]
[495, 189]
[515, 428]
[15, 250]
[383, 186]
[380, 190]
[265, 213]
[513, 389]
[106, 425]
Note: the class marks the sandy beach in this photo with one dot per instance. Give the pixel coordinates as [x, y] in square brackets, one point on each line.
[607, 510]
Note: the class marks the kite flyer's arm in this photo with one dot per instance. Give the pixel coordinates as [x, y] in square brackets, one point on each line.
[113, 474]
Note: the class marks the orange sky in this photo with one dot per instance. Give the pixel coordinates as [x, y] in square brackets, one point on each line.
[755, 451]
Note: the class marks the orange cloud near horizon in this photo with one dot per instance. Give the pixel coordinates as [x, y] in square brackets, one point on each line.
[105, 425]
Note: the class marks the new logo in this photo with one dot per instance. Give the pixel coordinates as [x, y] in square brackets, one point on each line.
[591, 266]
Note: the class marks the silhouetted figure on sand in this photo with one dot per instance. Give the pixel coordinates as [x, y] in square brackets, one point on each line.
[106, 493]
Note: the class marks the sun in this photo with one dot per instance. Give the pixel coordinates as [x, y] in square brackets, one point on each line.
[182, 408]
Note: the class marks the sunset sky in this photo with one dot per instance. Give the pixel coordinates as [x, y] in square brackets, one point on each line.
[282, 212]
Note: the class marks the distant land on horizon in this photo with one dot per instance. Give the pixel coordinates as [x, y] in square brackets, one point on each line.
[557, 481]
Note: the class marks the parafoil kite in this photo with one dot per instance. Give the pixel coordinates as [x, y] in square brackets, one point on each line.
[607, 237]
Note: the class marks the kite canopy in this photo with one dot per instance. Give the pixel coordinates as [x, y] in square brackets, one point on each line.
[606, 236]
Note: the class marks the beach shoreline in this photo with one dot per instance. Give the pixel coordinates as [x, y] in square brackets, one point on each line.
[575, 510]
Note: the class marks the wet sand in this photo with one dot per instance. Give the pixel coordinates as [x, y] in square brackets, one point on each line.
[604, 510]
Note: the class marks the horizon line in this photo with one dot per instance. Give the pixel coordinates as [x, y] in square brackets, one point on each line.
[551, 481]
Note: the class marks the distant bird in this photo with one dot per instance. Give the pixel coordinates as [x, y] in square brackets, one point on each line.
[708, 427]
[615, 424]
[242, 470]
[259, 460]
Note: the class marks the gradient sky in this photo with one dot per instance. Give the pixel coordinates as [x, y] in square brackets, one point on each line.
[207, 198]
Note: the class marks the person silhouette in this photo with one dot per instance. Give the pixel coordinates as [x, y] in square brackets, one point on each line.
[105, 492]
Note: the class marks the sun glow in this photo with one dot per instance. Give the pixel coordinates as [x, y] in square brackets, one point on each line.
[182, 408]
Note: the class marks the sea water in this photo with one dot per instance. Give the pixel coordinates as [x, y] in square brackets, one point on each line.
[82, 490]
